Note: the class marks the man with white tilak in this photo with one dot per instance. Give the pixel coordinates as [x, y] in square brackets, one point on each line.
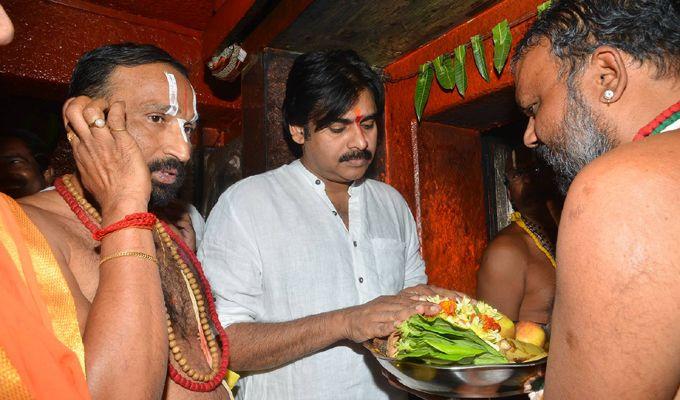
[312, 258]
[176, 349]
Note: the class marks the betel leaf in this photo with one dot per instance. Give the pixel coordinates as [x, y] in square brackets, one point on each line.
[544, 6]
[459, 69]
[443, 67]
[480, 59]
[502, 40]
[423, 85]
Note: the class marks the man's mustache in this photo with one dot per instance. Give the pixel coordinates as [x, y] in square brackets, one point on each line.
[357, 155]
[169, 163]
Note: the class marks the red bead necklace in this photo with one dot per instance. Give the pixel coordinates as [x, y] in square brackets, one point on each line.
[667, 117]
[86, 213]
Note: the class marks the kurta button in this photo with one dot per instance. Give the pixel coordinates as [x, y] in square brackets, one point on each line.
[361, 280]
[318, 182]
[355, 243]
[335, 213]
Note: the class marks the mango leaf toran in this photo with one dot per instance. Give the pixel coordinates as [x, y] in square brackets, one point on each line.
[443, 67]
[459, 69]
[423, 85]
[542, 7]
[480, 59]
[502, 39]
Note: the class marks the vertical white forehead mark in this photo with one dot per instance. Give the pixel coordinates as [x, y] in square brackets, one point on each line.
[181, 123]
[195, 117]
[172, 94]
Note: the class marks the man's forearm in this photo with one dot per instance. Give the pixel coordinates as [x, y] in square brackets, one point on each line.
[256, 346]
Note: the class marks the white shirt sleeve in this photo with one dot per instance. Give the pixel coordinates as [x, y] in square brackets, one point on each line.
[197, 222]
[231, 264]
[415, 265]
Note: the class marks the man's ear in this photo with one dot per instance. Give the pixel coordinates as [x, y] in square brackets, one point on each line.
[608, 72]
[297, 133]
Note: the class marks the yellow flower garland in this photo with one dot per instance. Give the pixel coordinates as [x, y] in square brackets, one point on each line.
[517, 218]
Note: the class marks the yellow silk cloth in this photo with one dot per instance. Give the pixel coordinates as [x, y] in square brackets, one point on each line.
[41, 350]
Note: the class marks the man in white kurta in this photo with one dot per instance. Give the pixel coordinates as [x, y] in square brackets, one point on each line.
[302, 259]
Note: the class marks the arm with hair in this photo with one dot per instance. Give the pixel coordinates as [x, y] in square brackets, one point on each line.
[616, 316]
[125, 336]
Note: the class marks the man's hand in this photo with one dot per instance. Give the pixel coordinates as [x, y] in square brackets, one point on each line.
[109, 160]
[420, 292]
[379, 317]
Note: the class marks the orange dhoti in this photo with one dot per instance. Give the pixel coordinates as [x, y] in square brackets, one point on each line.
[41, 350]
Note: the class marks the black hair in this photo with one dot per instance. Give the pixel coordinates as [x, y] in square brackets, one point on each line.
[323, 85]
[90, 78]
[91, 74]
[33, 142]
[645, 29]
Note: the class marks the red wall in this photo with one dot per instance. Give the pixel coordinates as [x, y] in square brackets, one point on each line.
[452, 204]
[50, 37]
[450, 191]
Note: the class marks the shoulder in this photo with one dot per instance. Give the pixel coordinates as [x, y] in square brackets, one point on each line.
[384, 192]
[633, 179]
[507, 250]
[45, 208]
[621, 211]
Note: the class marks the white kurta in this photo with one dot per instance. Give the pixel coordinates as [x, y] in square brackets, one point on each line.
[276, 250]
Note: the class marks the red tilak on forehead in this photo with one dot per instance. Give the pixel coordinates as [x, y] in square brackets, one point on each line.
[359, 117]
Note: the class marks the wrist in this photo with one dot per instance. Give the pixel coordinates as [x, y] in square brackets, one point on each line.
[118, 210]
[341, 322]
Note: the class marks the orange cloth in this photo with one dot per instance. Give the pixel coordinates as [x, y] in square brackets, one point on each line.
[41, 351]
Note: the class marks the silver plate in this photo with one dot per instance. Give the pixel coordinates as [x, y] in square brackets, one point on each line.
[471, 381]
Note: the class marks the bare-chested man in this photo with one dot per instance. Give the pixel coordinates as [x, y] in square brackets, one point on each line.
[517, 274]
[600, 81]
[142, 91]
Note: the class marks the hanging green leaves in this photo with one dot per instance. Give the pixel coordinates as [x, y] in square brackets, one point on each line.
[480, 59]
[443, 67]
[544, 6]
[459, 69]
[502, 40]
[423, 85]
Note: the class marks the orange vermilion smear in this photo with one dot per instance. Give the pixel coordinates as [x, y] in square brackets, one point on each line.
[490, 323]
[448, 307]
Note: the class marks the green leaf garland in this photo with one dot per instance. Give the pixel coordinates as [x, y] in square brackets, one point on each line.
[502, 40]
[443, 67]
[423, 85]
[459, 69]
[480, 59]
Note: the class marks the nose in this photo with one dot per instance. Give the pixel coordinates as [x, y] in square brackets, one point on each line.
[176, 145]
[530, 138]
[359, 137]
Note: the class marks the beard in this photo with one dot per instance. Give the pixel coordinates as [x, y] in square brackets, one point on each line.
[580, 138]
[163, 193]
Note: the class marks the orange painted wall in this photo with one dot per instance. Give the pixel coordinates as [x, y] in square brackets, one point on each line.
[50, 37]
[452, 204]
[449, 195]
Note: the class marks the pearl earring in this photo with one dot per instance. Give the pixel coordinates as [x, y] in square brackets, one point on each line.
[608, 95]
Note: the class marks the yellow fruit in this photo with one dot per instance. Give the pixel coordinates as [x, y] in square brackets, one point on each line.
[530, 332]
[507, 327]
